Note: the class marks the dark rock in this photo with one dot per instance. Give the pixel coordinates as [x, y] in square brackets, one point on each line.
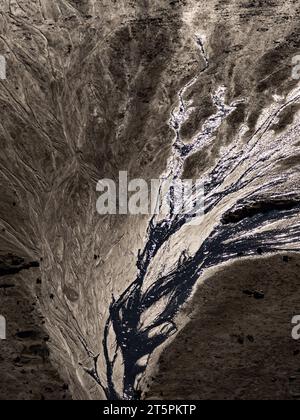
[259, 295]
[27, 335]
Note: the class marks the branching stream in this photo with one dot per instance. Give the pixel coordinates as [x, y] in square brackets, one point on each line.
[247, 207]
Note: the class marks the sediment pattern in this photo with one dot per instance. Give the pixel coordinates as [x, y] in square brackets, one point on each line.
[165, 90]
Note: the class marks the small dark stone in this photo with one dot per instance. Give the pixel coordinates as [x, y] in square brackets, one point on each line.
[258, 295]
[241, 340]
[34, 264]
[27, 334]
[285, 259]
[248, 292]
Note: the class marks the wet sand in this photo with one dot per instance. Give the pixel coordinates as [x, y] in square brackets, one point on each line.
[237, 344]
